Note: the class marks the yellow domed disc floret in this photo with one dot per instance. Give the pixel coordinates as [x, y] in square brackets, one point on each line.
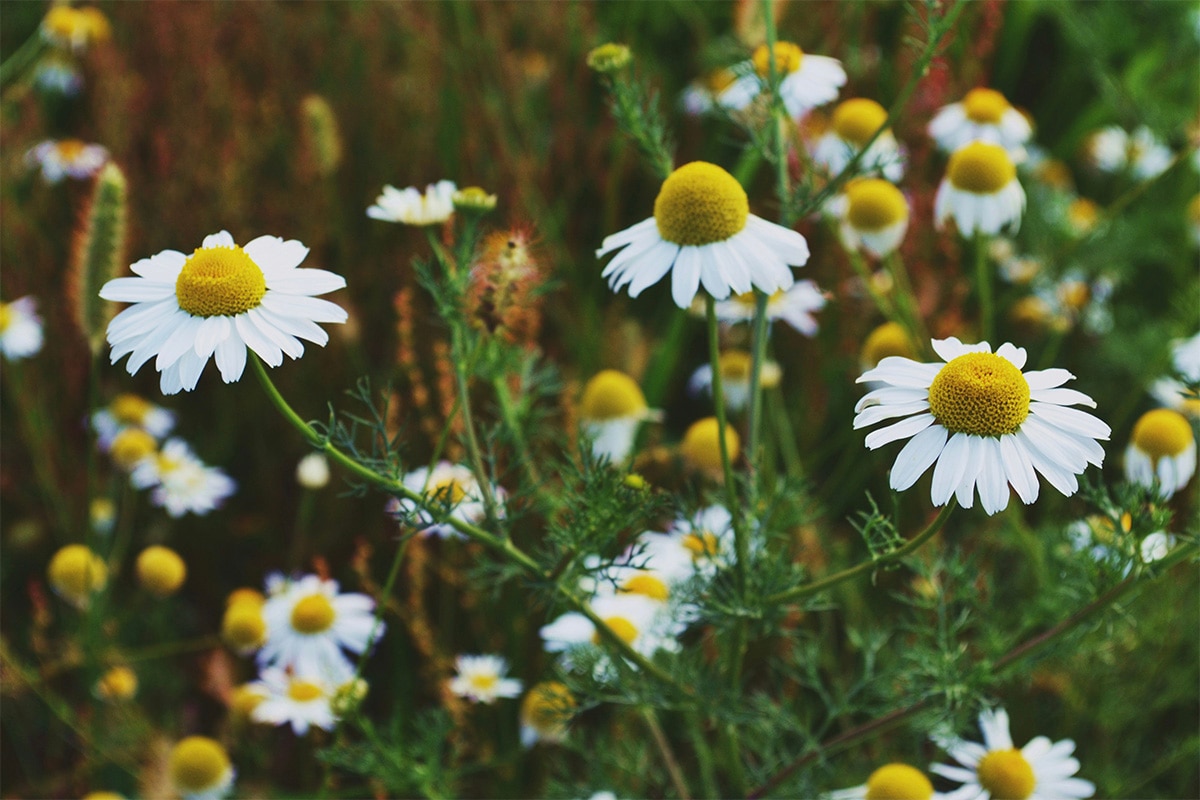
[611, 394]
[130, 446]
[700, 203]
[646, 585]
[245, 699]
[219, 281]
[787, 59]
[160, 570]
[1162, 433]
[548, 707]
[75, 572]
[980, 393]
[874, 204]
[856, 120]
[701, 444]
[623, 628]
[889, 339]
[119, 683]
[898, 782]
[243, 626]
[1006, 775]
[304, 691]
[129, 409]
[985, 106]
[981, 168]
[736, 365]
[198, 764]
[702, 544]
[449, 491]
[313, 614]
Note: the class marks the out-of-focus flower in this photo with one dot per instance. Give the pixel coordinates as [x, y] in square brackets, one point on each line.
[890, 782]
[1020, 270]
[160, 570]
[1082, 215]
[1156, 546]
[854, 123]
[701, 445]
[546, 712]
[243, 627]
[1193, 218]
[980, 191]
[67, 158]
[644, 623]
[609, 58]
[692, 545]
[102, 514]
[59, 75]
[482, 679]
[244, 700]
[983, 115]
[75, 573]
[313, 471]
[701, 96]
[216, 303]
[410, 207]
[180, 481]
[453, 487]
[1111, 149]
[874, 216]
[736, 366]
[983, 421]
[200, 769]
[20, 328]
[702, 232]
[118, 683]
[795, 306]
[473, 199]
[75, 28]
[130, 447]
[610, 411]
[298, 699]
[130, 411]
[889, 339]
[1162, 451]
[805, 81]
[1185, 357]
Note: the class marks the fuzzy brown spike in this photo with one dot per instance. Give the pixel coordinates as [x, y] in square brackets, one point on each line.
[98, 254]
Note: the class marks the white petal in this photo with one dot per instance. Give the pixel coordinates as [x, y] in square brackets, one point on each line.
[1047, 378]
[1062, 397]
[181, 340]
[212, 332]
[1018, 467]
[306, 282]
[951, 465]
[917, 456]
[874, 414]
[1071, 419]
[270, 352]
[903, 372]
[685, 280]
[231, 358]
[220, 239]
[900, 430]
[273, 255]
[1015, 355]
[657, 261]
[135, 290]
[310, 308]
[630, 234]
[992, 483]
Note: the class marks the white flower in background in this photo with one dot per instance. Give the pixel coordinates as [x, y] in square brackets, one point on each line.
[410, 207]
[980, 191]
[482, 679]
[873, 215]
[805, 81]
[1176, 394]
[644, 623]
[199, 768]
[1156, 546]
[1148, 156]
[131, 411]
[1185, 357]
[854, 123]
[1108, 149]
[702, 232]
[1162, 451]
[20, 328]
[546, 711]
[996, 770]
[1143, 154]
[890, 782]
[983, 421]
[692, 545]
[736, 367]
[983, 115]
[58, 75]
[217, 302]
[181, 482]
[449, 486]
[700, 96]
[795, 306]
[295, 699]
[67, 158]
[313, 471]
[610, 411]
[309, 624]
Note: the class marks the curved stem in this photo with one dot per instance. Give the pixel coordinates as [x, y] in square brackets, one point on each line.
[731, 492]
[983, 281]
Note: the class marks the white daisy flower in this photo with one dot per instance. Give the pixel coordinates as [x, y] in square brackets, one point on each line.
[58, 75]
[697, 544]
[20, 328]
[1185, 357]
[75, 28]
[644, 623]
[980, 191]
[983, 421]
[181, 482]
[450, 485]
[1176, 395]
[702, 232]
[1108, 149]
[1040, 770]
[309, 625]
[805, 81]
[610, 411]
[795, 306]
[736, 367]
[131, 411]
[890, 782]
[296, 699]
[873, 216]
[854, 123]
[983, 115]
[1156, 546]
[200, 769]
[217, 302]
[546, 712]
[700, 96]
[67, 158]
[410, 207]
[481, 679]
[1161, 452]
[1143, 154]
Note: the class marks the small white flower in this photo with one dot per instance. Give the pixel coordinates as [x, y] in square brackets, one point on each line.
[644, 623]
[1108, 149]
[1148, 156]
[1112, 150]
[854, 123]
[873, 216]
[411, 207]
[805, 81]
[67, 158]
[313, 471]
[20, 328]
[983, 115]
[1185, 356]
[700, 96]
[692, 545]
[181, 482]
[1156, 546]
[58, 75]
[296, 699]
[795, 306]
[611, 410]
[131, 411]
[450, 485]
[980, 191]
[736, 367]
[482, 679]
[1161, 452]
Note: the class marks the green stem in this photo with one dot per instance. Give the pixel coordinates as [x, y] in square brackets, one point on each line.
[908, 547]
[754, 420]
[914, 323]
[509, 412]
[885, 307]
[474, 453]
[25, 55]
[708, 777]
[731, 492]
[786, 435]
[983, 280]
[668, 756]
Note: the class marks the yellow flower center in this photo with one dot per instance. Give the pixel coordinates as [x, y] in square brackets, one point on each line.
[699, 204]
[980, 393]
[736, 365]
[1074, 294]
[787, 59]
[69, 149]
[245, 595]
[6, 317]
[985, 106]
[449, 491]
[160, 570]
[622, 627]
[701, 444]
[198, 763]
[75, 572]
[609, 57]
[304, 691]
[243, 626]
[119, 683]
[1162, 433]
[703, 544]
[245, 699]
[1006, 775]
[611, 395]
[484, 681]
[647, 585]
[719, 80]
[981, 168]
[129, 409]
[313, 614]
[750, 299]
[1193, 211]
[220, 282]
[130, 446]
[874, 204]
[1083, 214]
[889, 339]
[855, 121]
[898, 782]
[548, 707]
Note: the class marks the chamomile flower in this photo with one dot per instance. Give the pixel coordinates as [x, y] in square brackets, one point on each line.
[180, 482]
[735, 366]
[546, 712]
[700, 96]
[481, 679]
[452, 486]
[854, 123]
[696, 544]
[983, 421]
[20, 328]
[610, 411]
[703, 233]
[795, 306]
[160, 570]
[411, 207]
[701, 445]
[889, 782]
[1162, 451]
[874, 216]
[1108, 149]
[889, 339]
[983, 115]
[309, 624]
[1185, 357]
[243, 627]
[313, 472]
[200, 769]
[1156, 546]
[980, 191]
[644, 623]
[131, 411]
[118, 683]
[217, 302]
[58, 75]
[67, 158]
[75, 573]
[1141, 153]
[997, 770]
[74, 28]
[805, 81]
[298, 699]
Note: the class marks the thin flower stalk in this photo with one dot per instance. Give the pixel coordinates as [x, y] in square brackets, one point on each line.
[731, 492]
